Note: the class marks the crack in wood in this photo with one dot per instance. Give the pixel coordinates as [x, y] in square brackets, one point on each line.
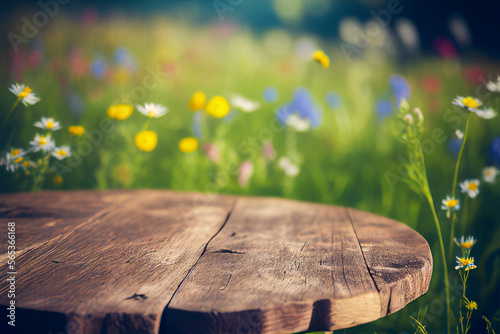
[201, 255]
[362, 253]
[226, 251]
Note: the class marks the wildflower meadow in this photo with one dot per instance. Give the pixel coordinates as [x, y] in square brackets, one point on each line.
[101, 101]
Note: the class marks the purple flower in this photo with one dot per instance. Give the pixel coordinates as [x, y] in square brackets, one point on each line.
[270, 94]
[99, 68]
[400, 88]
[197, 125]
[384, 108]
[454, 146]
[333, 100]
[303, 106]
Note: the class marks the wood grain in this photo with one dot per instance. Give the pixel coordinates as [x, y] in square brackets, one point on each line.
[166, 262]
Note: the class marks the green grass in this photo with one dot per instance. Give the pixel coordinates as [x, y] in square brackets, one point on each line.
[343, 162]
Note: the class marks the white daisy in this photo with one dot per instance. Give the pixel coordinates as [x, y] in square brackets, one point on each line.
[468, 103]
[465, 243]
[152, 110]
[239, 102]
[298, 123]
[494, 87]
[471, 187]
[448, 204]
[459, 134]
[44, 143]
[490, 174]
[62, 152]
[24, 93]
[288, 167]
[48, 124]
[487, 113]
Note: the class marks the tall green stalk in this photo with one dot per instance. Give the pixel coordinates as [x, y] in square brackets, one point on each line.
[428, 196]
[10, 112]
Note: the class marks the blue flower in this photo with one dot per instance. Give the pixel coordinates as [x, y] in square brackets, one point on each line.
[197, 125]
[270, 94]
[454, 146]
[400, 88]
[121, 55]
[495, 149]
[99, 67]
[125, 59]
[333, 100]
[302, 106]
[384, 108]
[76, 104]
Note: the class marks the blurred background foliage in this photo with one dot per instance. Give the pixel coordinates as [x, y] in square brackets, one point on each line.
[90, 56]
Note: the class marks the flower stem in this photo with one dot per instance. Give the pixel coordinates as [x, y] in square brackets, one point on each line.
[428, 195]
[452, 232]
[443, 255]
[147, 124]
[10, 112]
[460, 156]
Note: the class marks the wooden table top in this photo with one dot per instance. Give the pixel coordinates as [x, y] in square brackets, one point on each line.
[150, 261]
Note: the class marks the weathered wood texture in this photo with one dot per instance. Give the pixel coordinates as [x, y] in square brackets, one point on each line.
[126, 261]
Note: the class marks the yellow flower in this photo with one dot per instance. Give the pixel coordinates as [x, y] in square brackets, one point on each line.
[218, 107]
[58, 179]
[120, 111]
[76, 130]
[188, 144]
[322, 58]
[470, 305]
[146, 140]
[198, 101]
[465, 262]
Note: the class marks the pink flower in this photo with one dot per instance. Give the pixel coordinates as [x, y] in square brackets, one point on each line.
[245, 172]
[474, 75]
[268, 151]
[432, 84]
[212, 152]
[444, 47]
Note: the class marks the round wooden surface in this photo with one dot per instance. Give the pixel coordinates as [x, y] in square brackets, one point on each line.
[152, 261]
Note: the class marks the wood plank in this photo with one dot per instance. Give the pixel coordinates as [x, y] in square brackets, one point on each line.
[277, 266]
[399, 259]
[108, 261]
[156, 261]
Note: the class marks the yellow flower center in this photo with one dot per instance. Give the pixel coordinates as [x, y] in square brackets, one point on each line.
[470, 102]
[18, 160]
[488, 173]
[26, 164]
[43, 141]
[198, 101]
[451, 203]
[188, 144]
[146, 140]
[62, 153]
[472, 186]
[151, 113]
[466, 245]
[16, 152]
[25, 92]
[49, 125]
